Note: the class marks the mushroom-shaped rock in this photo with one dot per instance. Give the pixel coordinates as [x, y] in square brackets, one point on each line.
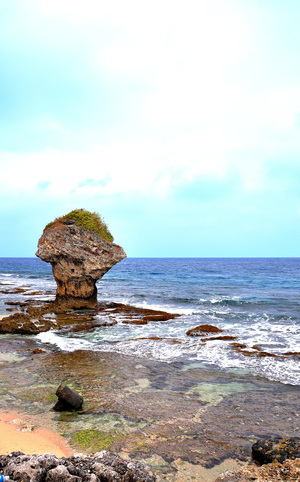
[79, 256]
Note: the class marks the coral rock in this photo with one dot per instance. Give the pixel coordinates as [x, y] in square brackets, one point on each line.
[79, 257]
[101, 466]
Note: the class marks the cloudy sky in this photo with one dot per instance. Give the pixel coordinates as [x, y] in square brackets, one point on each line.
[177, 121]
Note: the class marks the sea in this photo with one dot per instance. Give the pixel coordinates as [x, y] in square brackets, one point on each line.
[254, 299]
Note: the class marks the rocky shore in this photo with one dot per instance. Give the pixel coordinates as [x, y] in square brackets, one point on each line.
[106, 466]
[99, 467]
[138, 419]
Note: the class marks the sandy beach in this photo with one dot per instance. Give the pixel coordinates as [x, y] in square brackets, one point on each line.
[19, 433]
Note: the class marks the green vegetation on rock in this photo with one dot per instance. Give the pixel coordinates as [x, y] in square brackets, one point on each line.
[85, 219]
[93, 440]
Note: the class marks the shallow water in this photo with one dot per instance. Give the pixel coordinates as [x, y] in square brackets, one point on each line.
[147, 407]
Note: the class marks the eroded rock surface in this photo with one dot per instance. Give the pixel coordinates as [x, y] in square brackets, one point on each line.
[289, 471]
[79, 257]
[101, 466]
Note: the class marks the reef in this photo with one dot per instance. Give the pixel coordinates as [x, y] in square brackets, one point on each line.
[79, 256]
[37, 316]
[101, 466]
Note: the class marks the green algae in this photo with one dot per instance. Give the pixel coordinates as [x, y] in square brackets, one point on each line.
[114, 423]
[94, 440]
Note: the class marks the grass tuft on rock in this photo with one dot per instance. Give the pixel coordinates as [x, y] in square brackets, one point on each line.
[85, 219]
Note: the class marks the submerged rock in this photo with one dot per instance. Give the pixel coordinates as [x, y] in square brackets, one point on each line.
[79, 257]
[101, 466]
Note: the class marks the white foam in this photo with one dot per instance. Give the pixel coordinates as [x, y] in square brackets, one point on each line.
[65, 344]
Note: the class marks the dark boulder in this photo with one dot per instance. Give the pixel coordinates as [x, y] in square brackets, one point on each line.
[68, 399]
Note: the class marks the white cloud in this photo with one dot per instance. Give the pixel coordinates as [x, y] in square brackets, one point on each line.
[208, 109]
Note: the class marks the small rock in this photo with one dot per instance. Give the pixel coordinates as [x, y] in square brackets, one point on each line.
[199, 330]
[68, 399]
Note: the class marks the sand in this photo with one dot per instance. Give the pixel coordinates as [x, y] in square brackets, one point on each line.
[19, 433]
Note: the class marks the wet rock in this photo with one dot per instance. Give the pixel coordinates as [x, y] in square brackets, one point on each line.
[36, 351]
[238, 345]
[101, 466]
[79, 257]
[288, 471]
[199, 330]
[222, 338]
[246, 352]
[276, 450]
[136, 322]
[19, 323]
[262, 354]
[295, 354]
[37, 317]
[68, 399]
[131, 313]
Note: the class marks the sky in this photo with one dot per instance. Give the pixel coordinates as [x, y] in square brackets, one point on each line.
[177, 121]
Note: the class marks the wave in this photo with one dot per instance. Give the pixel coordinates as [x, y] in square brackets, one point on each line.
[216, 354]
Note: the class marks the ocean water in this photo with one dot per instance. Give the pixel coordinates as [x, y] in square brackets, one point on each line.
[256, 300]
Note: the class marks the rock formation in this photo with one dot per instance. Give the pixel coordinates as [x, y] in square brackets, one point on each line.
[79, 257]
[101, 466]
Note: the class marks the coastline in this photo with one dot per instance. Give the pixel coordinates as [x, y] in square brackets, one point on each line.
[185, 420]
[182, 421]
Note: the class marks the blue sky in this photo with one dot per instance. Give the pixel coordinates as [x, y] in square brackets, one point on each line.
[177, 121]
